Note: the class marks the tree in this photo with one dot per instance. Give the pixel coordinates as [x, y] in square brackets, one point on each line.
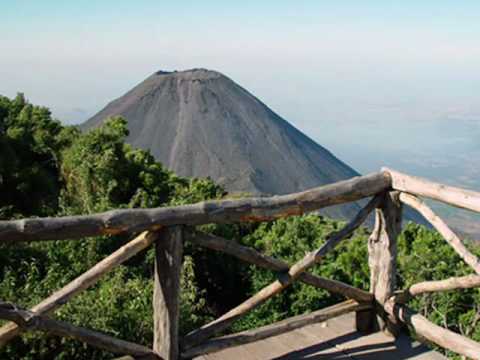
[29, 167]
[94, 171]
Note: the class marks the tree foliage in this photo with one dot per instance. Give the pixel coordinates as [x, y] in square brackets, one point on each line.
[28, 163]
[78, 174]
[50, 169]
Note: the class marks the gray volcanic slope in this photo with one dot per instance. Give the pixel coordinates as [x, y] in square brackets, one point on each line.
[200, 123]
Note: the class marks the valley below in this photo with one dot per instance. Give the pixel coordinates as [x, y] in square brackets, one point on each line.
[444, 149]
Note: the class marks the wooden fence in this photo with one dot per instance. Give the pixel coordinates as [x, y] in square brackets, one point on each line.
[167, 228]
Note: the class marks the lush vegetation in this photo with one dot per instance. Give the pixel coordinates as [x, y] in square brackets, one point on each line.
[50, 169]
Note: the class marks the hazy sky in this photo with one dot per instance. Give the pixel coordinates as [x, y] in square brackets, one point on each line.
[377, 82]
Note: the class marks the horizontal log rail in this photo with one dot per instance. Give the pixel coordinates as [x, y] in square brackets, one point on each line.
[433, 333]
[255, 257]
[453, 283]
[388, 189]
[31, 321]
[222, 211]
[246, 337]
[455, 196]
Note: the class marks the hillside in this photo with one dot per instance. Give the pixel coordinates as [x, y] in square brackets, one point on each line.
[201, 123]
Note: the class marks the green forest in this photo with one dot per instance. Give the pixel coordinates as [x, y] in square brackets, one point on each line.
[48, 169]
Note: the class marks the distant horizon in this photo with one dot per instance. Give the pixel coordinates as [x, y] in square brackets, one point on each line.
[304, 59]
[376, 83]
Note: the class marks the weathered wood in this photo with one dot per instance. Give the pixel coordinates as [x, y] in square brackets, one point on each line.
[443, 229]
[31, 321]
[434, 333]
[87, 279]
[285, 280]
[366, 321]
[267, 262]
[462, 198]
[166, 294]
[382, 251]
[224, 211]
[333, 339]
[453, 283]
[280, 327]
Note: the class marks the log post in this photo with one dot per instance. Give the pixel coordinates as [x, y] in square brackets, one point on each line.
[382, 250]
[366, 321]
[168, 265]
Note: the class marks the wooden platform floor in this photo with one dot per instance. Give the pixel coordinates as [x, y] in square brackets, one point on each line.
[334, 339]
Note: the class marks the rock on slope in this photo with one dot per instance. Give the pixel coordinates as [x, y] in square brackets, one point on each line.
[200, 123]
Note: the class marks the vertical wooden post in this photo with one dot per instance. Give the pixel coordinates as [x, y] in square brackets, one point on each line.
[382, 250]
[168, 265]
[366, 321]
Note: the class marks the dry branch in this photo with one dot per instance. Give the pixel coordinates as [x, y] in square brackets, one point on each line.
[166, 292]
[382, 254]
[87, 279]
[224, 211]
[285, 280]
[32, 321]
[280, 327]
[267, 262]
[434, 333]
[465, 199]
[453, 283]
[443, 229]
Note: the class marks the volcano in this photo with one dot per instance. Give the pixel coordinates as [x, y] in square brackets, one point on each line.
[200, 123]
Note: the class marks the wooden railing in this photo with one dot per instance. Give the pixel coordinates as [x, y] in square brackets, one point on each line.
[167, 228]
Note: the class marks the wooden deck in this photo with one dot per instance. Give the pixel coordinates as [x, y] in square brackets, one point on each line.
[334, 339]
